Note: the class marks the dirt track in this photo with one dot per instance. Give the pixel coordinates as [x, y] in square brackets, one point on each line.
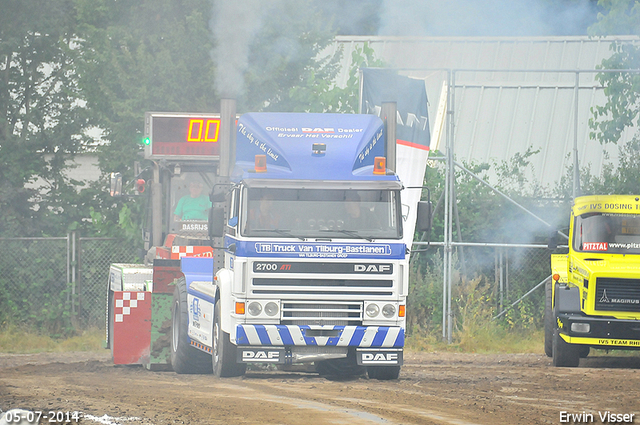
[434, 388]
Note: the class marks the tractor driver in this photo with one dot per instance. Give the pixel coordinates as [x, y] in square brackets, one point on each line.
[195, 205]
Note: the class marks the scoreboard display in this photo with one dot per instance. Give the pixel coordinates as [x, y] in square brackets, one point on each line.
[182, 136]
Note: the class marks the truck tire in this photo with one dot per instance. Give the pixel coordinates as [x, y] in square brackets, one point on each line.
[383, 373]
[564, 355]
[224, 353]
[184, 357]
[584, 351]
[549, 319]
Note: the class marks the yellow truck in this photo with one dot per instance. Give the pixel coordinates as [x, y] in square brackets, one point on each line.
[593, 299]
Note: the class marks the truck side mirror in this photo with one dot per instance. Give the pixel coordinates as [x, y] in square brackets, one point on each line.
[116, 184]
[216, 222]
[423, 221]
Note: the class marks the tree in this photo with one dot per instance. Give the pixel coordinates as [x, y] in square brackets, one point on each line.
[42, 116]
[622, 91]
[617, 17]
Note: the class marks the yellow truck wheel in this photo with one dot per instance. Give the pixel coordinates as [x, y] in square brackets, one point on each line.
[549, 320]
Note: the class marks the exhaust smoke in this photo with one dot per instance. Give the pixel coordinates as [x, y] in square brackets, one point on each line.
[234, 25]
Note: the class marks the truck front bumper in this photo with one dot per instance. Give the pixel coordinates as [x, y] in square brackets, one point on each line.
[317, 335]
[603, 332]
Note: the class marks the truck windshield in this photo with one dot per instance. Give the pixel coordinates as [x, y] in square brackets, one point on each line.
[613, 233]
[321, 213]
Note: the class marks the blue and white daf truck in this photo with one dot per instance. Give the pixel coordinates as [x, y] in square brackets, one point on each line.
[313, 268]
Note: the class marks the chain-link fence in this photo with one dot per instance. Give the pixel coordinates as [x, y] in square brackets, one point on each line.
[500, 275]
[94, 258]
[55, 284]
[34, 282]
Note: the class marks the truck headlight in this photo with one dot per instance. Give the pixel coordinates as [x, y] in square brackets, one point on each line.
[582, 328]
[388, 311]
[372, 310]
[255, 308]
[271, 309]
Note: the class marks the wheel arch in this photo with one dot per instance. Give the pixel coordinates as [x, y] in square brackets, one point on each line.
[223, 283]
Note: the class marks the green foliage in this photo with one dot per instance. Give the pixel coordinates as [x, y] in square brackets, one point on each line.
[618, 17]
[319, 94]
[622, 90]
[484, 215]
[42, 115]
[475, 303]
[33, 286]
[424, 302]
[622, 108]
[623, 179]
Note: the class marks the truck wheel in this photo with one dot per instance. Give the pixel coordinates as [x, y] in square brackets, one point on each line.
[564, 355]
[584, 351]
[184, 357]
[224, 353]
[549, 320]
[383, 373]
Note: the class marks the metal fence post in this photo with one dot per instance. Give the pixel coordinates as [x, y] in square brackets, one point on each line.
[73, 274]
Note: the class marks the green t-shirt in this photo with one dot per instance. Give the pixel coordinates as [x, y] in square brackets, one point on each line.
[189, 208]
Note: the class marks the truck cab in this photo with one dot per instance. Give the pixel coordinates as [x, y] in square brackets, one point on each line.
[594, 297]
[315, 270]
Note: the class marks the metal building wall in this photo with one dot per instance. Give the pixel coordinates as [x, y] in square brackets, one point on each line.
[517, 93]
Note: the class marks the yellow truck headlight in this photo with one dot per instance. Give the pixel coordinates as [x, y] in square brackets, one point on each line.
[580, 328]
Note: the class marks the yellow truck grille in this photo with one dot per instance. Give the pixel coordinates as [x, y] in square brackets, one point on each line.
[615, 294]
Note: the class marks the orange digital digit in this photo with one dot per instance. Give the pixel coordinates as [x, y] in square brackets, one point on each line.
[190, 134]
[211, 133]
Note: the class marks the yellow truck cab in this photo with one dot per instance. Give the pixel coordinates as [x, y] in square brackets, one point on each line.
[594, 297]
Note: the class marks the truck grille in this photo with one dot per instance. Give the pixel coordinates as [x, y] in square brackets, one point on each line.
[274, 286]
[321, 313]
[617, 294]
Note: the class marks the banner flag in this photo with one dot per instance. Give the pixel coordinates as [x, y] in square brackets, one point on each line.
[412, 131]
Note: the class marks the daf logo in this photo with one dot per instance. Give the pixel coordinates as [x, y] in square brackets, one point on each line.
[372, 268]
[379, 357]
[260, 355]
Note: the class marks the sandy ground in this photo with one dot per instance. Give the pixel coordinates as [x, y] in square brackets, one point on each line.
[434, 388]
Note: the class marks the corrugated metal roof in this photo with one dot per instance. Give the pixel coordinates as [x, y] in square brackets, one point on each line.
[510, 94]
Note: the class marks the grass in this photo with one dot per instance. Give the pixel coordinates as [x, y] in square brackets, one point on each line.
[16, 339]
[491, 339]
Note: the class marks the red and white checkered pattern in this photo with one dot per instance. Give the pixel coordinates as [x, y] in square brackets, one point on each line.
[177, 252]
[125, 302]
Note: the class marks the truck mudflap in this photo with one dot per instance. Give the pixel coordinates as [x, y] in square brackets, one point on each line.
[318, 335]
[379, 356]
[604, 332]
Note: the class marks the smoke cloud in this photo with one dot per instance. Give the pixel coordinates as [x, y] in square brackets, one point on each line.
[234, 25]
[485, 18]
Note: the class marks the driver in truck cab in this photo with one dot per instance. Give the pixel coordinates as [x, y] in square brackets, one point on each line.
[264, 216]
